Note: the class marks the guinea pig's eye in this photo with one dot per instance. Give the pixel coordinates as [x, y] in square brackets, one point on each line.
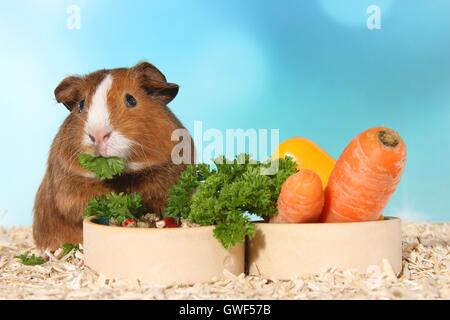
[130, 101]
[81, 105]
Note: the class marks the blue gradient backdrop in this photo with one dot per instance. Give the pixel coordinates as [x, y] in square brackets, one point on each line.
[309, 68]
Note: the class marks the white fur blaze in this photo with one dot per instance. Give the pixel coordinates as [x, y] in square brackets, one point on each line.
[98, 118]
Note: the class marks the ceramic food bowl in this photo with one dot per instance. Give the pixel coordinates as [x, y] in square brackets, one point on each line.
[283, 251]
[160, 256]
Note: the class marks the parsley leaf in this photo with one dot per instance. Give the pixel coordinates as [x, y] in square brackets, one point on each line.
[30, 260]
[104, 168]
[224, 196]
[120, 206]
[67, 247]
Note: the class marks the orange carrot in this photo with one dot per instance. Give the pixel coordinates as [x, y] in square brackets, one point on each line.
[365, 177]
[301, 198]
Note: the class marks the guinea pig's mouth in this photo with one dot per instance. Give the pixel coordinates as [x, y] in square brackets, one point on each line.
[117, 145]
[114, 144]
[130, 164]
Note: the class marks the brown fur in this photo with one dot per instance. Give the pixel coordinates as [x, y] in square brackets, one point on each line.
[65, 189]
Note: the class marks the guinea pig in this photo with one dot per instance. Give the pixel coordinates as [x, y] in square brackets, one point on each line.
[118, 112]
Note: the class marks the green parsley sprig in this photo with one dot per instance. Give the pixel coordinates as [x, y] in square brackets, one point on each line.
[30, 260]
[104, 168]
[224, 196]
[68, 247]
[120, 206]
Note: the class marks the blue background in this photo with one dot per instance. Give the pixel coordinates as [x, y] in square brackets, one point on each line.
[309, 68]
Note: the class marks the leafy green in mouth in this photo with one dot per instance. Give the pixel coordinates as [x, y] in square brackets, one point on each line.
[103, 167]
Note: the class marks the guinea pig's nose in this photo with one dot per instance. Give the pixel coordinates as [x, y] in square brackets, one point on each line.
[99, 136]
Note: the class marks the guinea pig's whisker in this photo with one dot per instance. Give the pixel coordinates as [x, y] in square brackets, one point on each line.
[62, 139]
[75, 154]
[79, 116]
[142, 151]
[152, 137]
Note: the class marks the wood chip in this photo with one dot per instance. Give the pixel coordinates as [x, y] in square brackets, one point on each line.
[425, 275]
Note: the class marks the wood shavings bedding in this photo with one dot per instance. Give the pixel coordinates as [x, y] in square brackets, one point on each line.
[425, 275]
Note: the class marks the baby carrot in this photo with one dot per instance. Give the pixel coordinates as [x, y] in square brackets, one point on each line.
[301, 198]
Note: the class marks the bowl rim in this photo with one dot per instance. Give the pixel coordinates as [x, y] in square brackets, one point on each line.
[387, 219]
[88, 221]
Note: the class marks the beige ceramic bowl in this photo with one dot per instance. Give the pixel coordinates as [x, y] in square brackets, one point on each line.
[161, 256]
[283, 251]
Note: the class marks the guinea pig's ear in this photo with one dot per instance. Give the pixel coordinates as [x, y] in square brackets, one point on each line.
[155, 83]
[69, 91]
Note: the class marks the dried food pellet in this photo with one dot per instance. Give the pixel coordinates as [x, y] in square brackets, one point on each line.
[143, 224]
[160, 224]
[149, 217]
[114, 222]
[129, 223]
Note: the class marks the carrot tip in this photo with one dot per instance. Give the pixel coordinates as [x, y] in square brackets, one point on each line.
[387, 138]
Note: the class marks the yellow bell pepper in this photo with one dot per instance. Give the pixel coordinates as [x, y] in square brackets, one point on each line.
[308, 155]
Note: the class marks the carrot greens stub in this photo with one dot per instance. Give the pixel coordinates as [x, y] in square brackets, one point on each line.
[387, 138]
